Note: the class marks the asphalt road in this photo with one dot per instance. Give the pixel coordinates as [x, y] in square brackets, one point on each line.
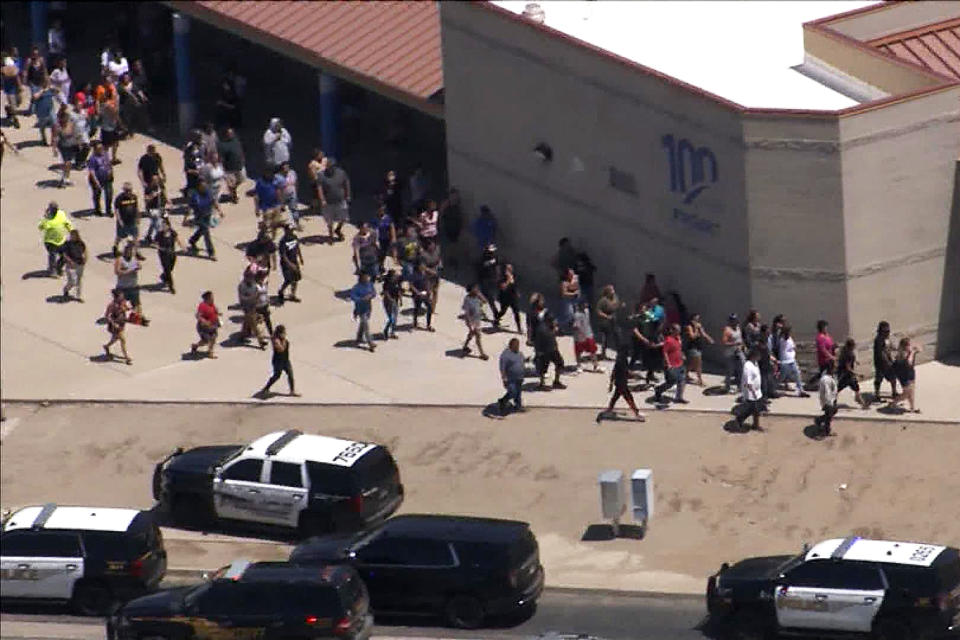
[611, 616]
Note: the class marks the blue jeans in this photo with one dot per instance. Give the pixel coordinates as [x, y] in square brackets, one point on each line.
[514, 388]
[363, 328]
[734, 370]
[203, 230]
[674, 376]
[154, 225]
[391, 309]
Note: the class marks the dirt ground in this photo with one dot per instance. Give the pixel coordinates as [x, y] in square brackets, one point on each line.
[719, 495]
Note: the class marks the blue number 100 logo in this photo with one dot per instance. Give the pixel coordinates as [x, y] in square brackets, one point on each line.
[682, 155]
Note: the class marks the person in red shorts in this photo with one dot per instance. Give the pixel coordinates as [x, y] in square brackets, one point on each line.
[676, 373]
[583, 342]
[208, 324]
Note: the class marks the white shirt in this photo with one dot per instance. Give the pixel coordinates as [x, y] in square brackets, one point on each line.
[828, 390]
[60, 79]
[750, 383]
[276, 146]
[788, 351]
[118, 68]
[581, 326]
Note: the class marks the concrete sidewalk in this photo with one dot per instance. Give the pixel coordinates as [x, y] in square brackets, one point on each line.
[50, 348]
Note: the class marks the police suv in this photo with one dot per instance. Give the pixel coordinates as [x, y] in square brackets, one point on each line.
[842, 587]
[91, 557]
[310, 483]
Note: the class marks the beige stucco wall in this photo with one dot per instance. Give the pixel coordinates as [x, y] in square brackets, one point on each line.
[792, 213]
[509, 86]
[795, 212]
[898, 168]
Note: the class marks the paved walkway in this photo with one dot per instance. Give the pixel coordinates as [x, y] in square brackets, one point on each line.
[51, 349]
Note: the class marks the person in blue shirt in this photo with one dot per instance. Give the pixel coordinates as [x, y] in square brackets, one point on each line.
[362, 294]
[203, 204]
[45, 105]
[266, 199]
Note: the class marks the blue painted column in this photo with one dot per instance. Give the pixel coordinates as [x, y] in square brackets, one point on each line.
[329, 114]
[186, 104]
[39, 9]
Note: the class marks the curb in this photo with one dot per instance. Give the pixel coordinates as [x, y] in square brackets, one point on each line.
[905, 419]
[184, 573]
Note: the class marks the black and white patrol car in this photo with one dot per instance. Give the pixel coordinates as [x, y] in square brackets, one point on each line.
[310, 483]
[91, 557]
[843, 587]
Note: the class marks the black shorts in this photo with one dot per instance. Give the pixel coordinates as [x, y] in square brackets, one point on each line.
[109, 138]
[132, 294]
[544, 360]
[68, 153]
[290, 275]
[848, 380]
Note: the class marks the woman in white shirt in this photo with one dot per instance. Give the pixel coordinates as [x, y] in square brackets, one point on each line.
[213, 174]
[60, 79]
[789, 370]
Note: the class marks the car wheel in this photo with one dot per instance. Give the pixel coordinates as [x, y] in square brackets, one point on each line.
[92, 599]
[465, 612]
[893, 630]
[750, 625]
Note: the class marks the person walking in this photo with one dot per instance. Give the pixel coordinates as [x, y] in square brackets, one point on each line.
[733, 352]
[64, 141]
[248, 296]
[787, 360]
[386, 237]
[291, 263]
[192, 162]
[750, 384]
[569, 295]
[697, 339]
[45, 105]
[335, 198]
[365, 256]
[263, 300]
[488, 274]
[391, 296]
[545, 345]
[828, 400]
[652, 326]
[100, 178]
[847, 376]
[428, 221]
[768, 383]
[509, 297]
[167, 243]
[280, 362]
[11, 88]
[391, 197]
[608, 305]
[116, 317]
[432, 267]
[149, 166]
[208, 325]
[60, 80]
[231, 153]
[127, 210]
[315, 167]
[276, 144]
[511, 374]
[56, 227]
[75, 256]
[826, 349]
[126, 267]
[362, 294]
[203, 205]
[883, 361]
[619, 385]
[583, 341]
[286, 180]
[213, 173]
[751, 330]
[472, 314]
[154, 204]
[675, 373]
[905, 367]
[421, 290]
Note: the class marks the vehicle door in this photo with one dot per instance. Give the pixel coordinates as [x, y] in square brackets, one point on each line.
[830, 595]
[40, 564]
[238, 491]
[382, 565]
[215, 617]
[285, 492]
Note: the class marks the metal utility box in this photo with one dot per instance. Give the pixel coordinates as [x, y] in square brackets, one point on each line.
[612, 496]
[641, 488]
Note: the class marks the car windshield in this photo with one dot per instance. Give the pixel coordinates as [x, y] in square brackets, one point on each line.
[231, 456]
[365, 538]
[793, 562]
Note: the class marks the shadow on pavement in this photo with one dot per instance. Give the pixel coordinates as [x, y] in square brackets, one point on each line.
[26, 144]
[604, 532]
[732, 426]
[814, 432]
[49, 183]
[58, 299]
[39, 273]
[84, 213]
[494, 622]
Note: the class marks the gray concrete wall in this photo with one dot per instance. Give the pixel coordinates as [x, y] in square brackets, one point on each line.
[898, 187]
[510, 86]
[795, 209]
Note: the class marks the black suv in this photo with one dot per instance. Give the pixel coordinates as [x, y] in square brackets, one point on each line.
[267, 600]
[463, 568]
[92, 557]
[842, 587]
[299, 482]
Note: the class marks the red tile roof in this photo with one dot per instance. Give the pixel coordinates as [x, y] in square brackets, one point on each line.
[935, 46]
[394, 44]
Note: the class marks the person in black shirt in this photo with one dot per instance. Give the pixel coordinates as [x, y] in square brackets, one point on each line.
[488, 274]
[154, 202]
[192, 160]
[74, 254]
[585, 270]
[847, 371]
[391, 303]
[883, 361]
[509, 297]
[167, 243]
[151, 164]
[262, 250]
[128, 218]
[291, 259]
[231, 154]
[545, 345]
[619, 379]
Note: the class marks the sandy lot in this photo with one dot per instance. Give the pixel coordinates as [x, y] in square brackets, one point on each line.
[719, 496]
